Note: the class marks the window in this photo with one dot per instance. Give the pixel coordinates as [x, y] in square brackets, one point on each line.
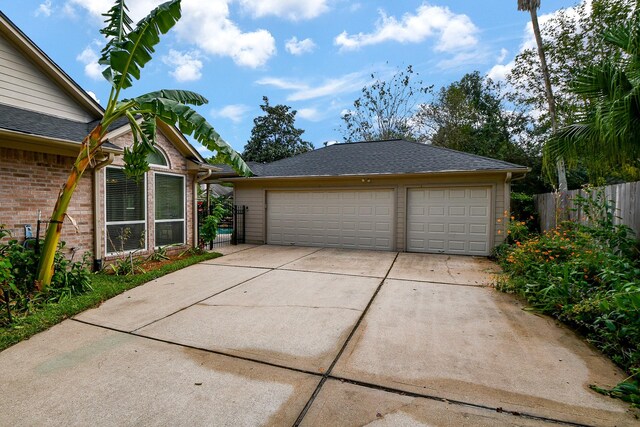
[170, 203]
[157, 158]
[125, 212]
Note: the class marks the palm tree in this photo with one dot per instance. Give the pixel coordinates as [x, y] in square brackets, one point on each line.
[125, 54]
[606, 134]
[532, 7]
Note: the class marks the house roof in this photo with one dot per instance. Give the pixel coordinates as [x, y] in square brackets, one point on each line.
[390, 157]
[33, 123]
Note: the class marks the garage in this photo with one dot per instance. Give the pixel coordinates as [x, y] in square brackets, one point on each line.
[357, 219]
[453, 220]
[385, 195]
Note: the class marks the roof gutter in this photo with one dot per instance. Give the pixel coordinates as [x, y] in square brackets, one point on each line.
[44, 143]
[381, 175]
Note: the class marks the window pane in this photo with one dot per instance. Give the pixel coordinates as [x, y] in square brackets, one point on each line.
[156, 158]
[169, 197]
[125, 237]
[169, 232]
[125, 197]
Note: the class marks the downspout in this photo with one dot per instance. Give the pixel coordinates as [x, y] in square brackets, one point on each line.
[507, 190]
[197, 182]
[97, 230]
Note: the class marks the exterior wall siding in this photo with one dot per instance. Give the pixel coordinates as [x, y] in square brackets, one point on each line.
[254, 199]
[252, 193]
[24, 85]
[30, 181]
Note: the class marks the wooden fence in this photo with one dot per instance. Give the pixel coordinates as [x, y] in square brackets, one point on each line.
[625, 197]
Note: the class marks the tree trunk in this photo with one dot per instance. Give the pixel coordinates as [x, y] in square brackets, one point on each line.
[562, 177]
[52, 238]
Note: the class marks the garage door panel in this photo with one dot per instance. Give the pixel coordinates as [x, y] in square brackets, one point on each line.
[458, 228]
[449, 220]
[481, 211]
[457, 211]
[433, 211]
[479, 229]
[354, 219]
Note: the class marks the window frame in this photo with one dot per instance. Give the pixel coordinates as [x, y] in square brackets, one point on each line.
[166, 159]
[184, 208]
[108, 223]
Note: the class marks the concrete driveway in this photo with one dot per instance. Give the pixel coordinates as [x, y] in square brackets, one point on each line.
[272, 335]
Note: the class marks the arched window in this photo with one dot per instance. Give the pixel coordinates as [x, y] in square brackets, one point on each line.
[157, 158]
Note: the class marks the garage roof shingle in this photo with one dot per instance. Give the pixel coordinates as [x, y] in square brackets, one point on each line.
[380, 157]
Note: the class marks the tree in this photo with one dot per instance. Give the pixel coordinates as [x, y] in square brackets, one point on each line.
[606, 135]
[532, 6]
[274, 135]
[572, 38]
[472, 115]
[127, 51]
[469, 115]
[386, 109]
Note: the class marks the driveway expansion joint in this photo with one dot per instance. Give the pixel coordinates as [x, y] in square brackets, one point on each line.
[327, 373]
[442, 283]
[455, 402]
[203, 299]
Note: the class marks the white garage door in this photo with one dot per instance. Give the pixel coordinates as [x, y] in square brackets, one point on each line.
[453, 220]
[342, 219]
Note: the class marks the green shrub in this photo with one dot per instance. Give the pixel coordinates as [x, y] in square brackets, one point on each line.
[587, 275]
[18, 293]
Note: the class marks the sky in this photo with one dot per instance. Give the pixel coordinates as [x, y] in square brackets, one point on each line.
[313, 55]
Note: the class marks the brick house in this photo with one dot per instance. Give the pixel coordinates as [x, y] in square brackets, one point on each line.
[44, 115]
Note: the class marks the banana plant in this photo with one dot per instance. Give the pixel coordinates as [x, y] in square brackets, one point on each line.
[126, 52]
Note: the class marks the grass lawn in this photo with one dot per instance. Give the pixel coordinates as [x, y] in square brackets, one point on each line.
[104, 287]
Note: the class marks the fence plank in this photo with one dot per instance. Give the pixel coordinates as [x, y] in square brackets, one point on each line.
[626, 198]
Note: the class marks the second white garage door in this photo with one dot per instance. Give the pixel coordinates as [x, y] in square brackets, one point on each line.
[359, 219]
[453, 220]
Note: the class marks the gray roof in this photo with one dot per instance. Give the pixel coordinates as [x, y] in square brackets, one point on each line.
[380, 157]
[34, 123]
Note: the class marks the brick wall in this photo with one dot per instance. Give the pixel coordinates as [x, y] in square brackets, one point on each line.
[30, 181]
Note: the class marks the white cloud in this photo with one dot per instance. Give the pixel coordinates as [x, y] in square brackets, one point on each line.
[499, 72]
[299, 47]
[461, 59]
[311, 114]
[45, 8]
[503, 54]
[89, 57]
[233, 112]
[93, 95]
[137, 9]
[294, 10]
[207, 25]
[187, 66]
[453, 31]
[204, 24]
[330, 87]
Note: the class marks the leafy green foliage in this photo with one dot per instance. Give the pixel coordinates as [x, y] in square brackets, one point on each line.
[587, 275]
[604, 136]
[209, 228]
[274, 135]
[171, 107]
[386, 109]
[18, 295]
[130, 49]
[572, 38]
